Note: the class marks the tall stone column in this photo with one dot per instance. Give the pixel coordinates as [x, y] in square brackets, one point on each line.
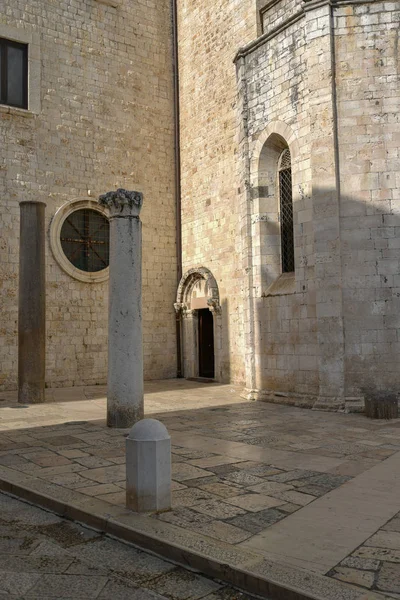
[125, 340]
[31, 303]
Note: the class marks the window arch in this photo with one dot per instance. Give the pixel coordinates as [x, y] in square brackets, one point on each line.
[286, 211]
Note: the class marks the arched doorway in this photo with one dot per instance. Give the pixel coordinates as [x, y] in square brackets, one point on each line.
[198, 307]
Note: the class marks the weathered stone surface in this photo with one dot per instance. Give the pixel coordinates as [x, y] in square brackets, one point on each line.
[184, 471]
[389, 578]
[270, 488]
[190, 497]
[256, 522]
[385, 539]
[223, 532]
[393, 525]
[185, 517]
[177, 583]
[218, 509]
[295, 497]
[327, 480]
[223, 490]
[242, 478]
[378, 554]
[254, 502]
[365, 564]
[363, 578]
[291, 476]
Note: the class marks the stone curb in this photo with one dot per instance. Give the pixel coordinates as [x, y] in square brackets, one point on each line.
[241, 568]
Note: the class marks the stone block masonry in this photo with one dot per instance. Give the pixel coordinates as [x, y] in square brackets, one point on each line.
[319, 79]
[324, 82]
[368, 101]
[104, 120]
[210, 32]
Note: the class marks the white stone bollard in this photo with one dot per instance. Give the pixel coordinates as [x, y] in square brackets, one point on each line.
[148, 467]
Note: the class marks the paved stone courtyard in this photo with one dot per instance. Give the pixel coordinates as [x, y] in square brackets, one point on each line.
[44, 556]
[309, 489]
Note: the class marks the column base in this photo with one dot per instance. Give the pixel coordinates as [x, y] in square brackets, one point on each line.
[31, 394]
[122, 417]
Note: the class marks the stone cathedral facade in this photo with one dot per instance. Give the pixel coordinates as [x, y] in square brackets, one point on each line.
[265, 138]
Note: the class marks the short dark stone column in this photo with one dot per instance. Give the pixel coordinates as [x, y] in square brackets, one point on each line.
[32, 303]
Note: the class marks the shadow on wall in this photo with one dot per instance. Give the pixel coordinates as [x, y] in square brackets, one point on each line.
[334, 327]
[225, 343]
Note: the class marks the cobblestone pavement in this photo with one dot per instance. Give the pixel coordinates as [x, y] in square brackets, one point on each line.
[375, 565]
[44, 556]
[238, 467]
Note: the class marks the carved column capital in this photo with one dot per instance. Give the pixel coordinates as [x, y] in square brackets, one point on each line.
[214, 306]
[122, 203]
[179, 306]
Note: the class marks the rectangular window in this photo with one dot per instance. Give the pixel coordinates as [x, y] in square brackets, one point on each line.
[13, 73]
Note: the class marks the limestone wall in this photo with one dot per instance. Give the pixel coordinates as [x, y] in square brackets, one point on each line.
[328, 85]
[368, 98]
[274, 13]
[284, 312]
[102, 118]
[210, 33]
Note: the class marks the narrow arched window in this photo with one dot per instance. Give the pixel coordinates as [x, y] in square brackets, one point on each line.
[286, 211]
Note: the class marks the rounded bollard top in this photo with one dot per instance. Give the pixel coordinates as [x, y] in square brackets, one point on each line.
[148, 430]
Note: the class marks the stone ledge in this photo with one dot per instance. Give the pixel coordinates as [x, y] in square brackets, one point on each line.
[330, 404]
[283, 286]
[246, 570]
[112, 3]
[17, 112]
[301, 401]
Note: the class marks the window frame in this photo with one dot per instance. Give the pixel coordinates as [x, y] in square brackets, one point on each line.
[6, 43]
[55, 240]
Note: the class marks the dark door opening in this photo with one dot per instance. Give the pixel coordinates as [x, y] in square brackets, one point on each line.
[206, 343]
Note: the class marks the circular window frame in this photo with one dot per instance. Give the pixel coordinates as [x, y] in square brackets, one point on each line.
[55, 240]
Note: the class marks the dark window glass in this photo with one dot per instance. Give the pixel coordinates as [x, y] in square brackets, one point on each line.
[85, 240]
[286, 210]
[13, 73]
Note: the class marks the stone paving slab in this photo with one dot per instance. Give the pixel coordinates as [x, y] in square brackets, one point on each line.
[240, 469]
[322, 534]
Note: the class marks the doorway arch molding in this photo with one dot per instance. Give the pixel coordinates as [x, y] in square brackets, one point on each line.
[192, 280]
[187, 284]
